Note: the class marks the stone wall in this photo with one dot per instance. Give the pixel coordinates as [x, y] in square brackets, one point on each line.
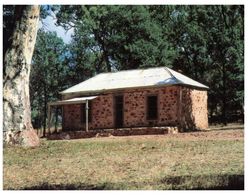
[72, 117]
[136, 107]
[192, 114]
[102, 114]
[199, 108]
[194, 109]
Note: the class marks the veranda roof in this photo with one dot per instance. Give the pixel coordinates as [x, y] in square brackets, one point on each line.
[72, 101]
[79, 100]
[133, 79]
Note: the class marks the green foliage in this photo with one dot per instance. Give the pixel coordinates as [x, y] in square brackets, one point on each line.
[9, 21]
[118, 37]
[8, 26]
[48, 74]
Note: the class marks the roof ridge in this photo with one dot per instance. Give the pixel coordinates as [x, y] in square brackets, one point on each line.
[167, 69]
[183, 82]
[132, 70]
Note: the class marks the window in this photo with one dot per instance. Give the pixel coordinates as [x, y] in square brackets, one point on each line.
[152, 107]
[83, 112]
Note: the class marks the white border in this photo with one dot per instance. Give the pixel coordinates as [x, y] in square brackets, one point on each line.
[155, 2]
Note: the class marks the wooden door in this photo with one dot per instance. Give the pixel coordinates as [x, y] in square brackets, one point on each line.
[119, 111]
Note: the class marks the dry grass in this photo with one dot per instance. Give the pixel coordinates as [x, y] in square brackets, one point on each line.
[139, 162]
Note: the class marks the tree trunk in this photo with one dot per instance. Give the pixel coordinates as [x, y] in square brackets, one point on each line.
[45, 110]
[224, 96]
[17, 114]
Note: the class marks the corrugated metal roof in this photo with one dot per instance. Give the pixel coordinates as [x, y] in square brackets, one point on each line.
[133, 79]
[72, 101]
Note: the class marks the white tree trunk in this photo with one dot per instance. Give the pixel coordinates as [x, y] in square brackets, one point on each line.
[17, 114]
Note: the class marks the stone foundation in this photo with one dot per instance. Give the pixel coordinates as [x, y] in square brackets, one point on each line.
[113, 132]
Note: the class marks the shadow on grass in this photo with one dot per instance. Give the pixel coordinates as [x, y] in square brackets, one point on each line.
[78, 186]
[203, 182]
[226, 128]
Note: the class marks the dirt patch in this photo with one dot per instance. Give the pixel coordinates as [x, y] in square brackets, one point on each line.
[215, 132]
[212, 135]
[200, 135]
[113, 132]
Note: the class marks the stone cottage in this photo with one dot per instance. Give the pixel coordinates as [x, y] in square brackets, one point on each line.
[154, 97]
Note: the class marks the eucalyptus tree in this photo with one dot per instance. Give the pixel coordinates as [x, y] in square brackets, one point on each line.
[17, 63]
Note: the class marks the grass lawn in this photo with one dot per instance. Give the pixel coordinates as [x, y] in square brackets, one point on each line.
[201, 160]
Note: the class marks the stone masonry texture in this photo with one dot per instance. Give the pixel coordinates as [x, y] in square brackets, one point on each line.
[188, 112]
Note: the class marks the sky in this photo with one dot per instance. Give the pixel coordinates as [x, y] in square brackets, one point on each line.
[49, 24]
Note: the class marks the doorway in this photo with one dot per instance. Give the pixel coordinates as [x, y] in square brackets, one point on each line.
[119, 105]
